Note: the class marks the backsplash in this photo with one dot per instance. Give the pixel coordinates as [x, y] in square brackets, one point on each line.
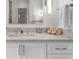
[13, 29]
[32, 30]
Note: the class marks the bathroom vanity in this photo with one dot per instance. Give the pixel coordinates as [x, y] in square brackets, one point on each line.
[39, 46]
[27, 24]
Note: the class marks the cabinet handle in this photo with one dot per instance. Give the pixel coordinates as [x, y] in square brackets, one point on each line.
[21, 51]
[61, 48]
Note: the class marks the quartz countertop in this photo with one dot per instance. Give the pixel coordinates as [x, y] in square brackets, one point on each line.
[42, 36]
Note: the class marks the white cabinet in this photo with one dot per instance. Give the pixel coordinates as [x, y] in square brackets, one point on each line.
[34, 51]
[39, 50]
[60, 50]
[12, 51]
[25, 51]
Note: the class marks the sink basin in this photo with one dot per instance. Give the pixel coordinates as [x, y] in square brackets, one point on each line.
[19, 34]
[26, 34]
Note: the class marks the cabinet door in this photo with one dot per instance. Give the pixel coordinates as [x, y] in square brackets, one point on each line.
[12, 51]
[34, 51]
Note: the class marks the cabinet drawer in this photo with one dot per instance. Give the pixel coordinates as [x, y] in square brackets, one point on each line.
[60, 57]
[60, 47]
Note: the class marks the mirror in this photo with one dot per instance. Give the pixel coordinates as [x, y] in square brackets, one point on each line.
[34, 12]
[18, 11]
[25, 11]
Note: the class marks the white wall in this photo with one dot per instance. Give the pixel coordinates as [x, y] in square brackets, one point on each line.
[7, 11]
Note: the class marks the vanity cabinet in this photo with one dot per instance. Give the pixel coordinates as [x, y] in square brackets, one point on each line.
[60, 50]
[40, 50]
[25, 51]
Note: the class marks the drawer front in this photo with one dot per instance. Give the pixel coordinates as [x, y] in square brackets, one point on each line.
[60, 57]
[60, 47]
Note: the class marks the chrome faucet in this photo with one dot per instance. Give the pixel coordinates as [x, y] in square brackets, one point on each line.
[38, 30]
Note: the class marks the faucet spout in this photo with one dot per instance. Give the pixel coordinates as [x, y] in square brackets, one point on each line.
[21, 31]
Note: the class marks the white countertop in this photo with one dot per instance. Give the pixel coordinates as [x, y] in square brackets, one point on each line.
[43, 36]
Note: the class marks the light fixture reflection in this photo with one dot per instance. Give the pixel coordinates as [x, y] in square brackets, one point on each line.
[49, 3]
[38, 14]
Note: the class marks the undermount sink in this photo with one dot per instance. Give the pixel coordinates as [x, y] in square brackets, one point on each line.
[21, 34]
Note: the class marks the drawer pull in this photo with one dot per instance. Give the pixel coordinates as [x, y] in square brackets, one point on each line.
[61, 48]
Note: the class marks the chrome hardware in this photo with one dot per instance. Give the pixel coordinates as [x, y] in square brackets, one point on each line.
[61, 48]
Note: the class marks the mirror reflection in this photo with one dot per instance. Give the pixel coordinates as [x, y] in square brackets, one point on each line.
[34, 12]
[25, 11]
